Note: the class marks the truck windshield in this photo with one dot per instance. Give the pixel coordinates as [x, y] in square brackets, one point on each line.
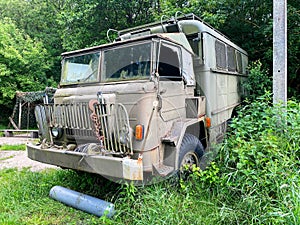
[80, 69]
[127, 62]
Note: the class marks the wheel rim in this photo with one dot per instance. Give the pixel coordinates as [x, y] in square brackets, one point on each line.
[189, 160]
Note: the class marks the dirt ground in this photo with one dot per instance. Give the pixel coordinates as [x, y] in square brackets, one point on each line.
[19, 159]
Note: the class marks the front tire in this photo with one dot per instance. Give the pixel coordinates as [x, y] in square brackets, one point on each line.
[190, 153]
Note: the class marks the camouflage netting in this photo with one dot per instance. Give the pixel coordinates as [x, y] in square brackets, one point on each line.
[28, 101]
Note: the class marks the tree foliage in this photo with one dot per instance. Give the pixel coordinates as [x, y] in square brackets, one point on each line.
[258, 82]
[250, 24]
[294, 48]
[99, 16]
[23, 62]
[38, 19]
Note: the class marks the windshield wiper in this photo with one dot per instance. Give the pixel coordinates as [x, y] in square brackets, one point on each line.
[88, 77]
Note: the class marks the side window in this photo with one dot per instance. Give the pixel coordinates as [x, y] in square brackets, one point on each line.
[194, 41]
[231, 59]
[169, 61]
[220, 55]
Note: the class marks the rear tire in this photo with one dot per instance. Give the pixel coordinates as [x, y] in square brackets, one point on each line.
[191, 152]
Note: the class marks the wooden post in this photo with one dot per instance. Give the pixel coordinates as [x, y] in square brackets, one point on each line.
[20, 114]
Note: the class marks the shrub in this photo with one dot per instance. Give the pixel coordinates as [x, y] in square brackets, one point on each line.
[259, 162]
[258, 81]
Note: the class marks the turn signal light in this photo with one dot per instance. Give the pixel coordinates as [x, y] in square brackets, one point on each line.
[207, 122]
[139, 132]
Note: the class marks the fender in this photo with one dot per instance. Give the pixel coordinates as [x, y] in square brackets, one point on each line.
[173, 140]
[175, 135]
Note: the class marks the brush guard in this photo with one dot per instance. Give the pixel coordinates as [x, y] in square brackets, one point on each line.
[109, 123]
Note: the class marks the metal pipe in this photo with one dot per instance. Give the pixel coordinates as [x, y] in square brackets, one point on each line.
[82, 202]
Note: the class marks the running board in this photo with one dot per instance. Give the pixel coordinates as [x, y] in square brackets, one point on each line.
[162, 170]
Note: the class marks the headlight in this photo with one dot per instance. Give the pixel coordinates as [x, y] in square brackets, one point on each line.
[56, 132]
[124, 135]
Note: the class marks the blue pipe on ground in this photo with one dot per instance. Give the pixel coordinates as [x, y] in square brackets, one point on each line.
[83, 202]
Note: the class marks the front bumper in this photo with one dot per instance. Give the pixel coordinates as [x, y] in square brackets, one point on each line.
[112, 167]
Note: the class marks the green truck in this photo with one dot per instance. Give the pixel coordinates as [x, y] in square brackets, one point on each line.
[144, 106]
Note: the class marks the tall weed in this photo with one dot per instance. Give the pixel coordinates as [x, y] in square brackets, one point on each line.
[259, 163]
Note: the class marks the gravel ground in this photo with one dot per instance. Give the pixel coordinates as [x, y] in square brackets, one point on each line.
[19, 159]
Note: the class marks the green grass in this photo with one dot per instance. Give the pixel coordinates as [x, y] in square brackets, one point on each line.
[24, 200]
[19, 147]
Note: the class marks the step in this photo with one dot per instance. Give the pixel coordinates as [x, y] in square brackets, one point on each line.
[162, 169]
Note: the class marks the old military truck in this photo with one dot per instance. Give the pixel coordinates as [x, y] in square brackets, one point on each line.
[145, 105]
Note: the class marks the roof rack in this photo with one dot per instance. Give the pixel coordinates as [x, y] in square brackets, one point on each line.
[146, 27]
[171, 20]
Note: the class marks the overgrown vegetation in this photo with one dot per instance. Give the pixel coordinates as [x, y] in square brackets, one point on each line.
[258, 82]
[259, 163]
[253, 180]
[24, 200]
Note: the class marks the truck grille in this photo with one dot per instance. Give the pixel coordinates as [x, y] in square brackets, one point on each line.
[72, 116]
[109, 123]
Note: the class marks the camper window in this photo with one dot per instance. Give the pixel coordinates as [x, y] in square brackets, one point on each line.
[231, 59]
[220, 55]
[239, 62]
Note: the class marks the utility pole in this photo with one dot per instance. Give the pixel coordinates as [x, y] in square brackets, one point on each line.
[280, 51]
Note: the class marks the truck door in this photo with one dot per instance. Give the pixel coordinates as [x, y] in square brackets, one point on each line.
[171, 85]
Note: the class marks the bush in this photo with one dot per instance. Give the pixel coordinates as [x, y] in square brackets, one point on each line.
[259, 163]
[255, 176]
[258, 81]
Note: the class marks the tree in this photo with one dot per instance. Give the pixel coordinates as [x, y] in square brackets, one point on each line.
[38, 19]
[249, 24]
[293, 48]
[23, 63]
[86, 22]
